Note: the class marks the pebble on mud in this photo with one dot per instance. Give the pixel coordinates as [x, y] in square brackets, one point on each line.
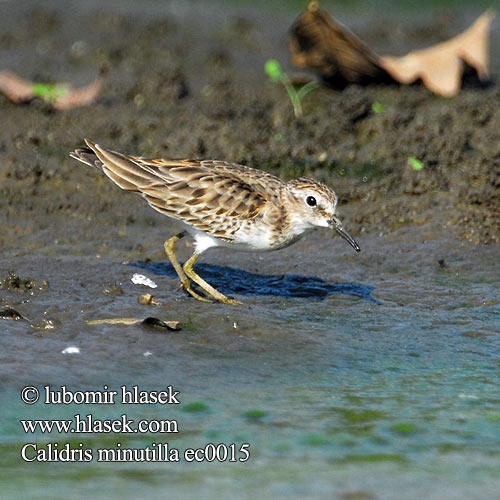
[12, 314]
[45, 324]
[147, 299]
[140, 279]
[113, 290]
[71, 350]
[14, 283]
[160, 324]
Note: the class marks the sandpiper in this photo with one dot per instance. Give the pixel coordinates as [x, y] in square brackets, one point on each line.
[221, 204]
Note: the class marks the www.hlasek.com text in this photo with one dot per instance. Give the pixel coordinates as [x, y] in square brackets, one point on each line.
[89, 424]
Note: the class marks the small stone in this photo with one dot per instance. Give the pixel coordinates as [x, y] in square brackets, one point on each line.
[147, 299]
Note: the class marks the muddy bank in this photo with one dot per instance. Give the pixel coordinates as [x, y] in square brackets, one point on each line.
[188, 81]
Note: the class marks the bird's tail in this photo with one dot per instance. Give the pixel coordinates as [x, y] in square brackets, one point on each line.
[125, 172]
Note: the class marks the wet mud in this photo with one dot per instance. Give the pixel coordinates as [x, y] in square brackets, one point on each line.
[187, 87]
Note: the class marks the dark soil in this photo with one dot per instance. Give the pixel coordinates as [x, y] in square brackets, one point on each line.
[187, 81]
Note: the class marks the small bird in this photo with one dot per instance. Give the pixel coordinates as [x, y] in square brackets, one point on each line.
[221, 204]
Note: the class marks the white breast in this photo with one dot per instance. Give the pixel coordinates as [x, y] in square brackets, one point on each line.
[253, 238]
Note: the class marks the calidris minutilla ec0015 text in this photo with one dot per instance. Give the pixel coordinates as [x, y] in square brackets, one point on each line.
[221, 204]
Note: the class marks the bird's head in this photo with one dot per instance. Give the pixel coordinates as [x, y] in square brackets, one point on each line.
[315, 205]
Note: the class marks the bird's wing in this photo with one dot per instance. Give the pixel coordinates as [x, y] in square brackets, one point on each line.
[212, 196]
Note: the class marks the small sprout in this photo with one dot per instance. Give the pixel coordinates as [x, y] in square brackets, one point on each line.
[415, 163]
[49, 92]
[278, 136]
[276, 75]
[378, 107]
[273, 69]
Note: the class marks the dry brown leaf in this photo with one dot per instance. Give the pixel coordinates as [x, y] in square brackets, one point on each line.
[61, 96]
[441, 66]
[321, 43]
[76, 98]
[14, 87]
[115, 321]
[150, 321]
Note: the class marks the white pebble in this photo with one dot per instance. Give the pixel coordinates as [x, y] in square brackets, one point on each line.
[71, 350]
[140, 279]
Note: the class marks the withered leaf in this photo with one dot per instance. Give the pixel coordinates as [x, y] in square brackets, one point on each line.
[14, 87]
[320, 43]
[149, 321]
[82, 96]
[115, 321]
[59, 95]
[441, 66]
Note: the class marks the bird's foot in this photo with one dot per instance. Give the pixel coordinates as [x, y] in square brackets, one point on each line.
[187, 287]
[207, 288]
[229, 301]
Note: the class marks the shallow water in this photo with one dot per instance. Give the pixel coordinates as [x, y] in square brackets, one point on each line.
[390, 397]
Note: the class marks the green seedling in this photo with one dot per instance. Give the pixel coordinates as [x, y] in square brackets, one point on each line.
[277, 75]
[378, 107]
[49, 92]
[415, 163]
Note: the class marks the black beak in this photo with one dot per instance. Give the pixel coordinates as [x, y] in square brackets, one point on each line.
[339, 227]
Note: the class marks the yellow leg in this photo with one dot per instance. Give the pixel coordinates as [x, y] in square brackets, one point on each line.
[170, 251]
[188, 269]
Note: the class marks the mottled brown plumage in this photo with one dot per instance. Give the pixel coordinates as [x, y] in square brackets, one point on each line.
[221, 203]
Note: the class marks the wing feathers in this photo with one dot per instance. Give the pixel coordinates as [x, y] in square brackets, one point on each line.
[212, 196]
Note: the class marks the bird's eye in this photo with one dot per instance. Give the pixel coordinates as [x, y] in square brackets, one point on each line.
[311, 201]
